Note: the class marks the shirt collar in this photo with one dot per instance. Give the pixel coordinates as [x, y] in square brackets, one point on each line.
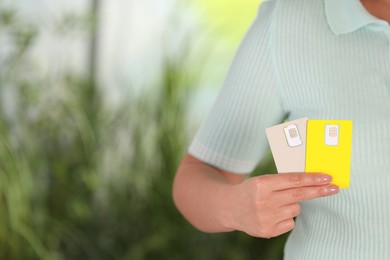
[345, 16]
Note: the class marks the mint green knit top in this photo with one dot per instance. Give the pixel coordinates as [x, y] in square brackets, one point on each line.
[321, 59]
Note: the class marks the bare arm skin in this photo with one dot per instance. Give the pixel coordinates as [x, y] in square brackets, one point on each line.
[218, 201]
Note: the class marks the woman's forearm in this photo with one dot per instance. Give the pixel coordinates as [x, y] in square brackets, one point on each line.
[201, 193]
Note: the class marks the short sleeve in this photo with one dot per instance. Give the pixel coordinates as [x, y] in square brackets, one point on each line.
[233, 136]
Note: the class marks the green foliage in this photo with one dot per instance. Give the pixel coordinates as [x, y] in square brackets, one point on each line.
[79, 180]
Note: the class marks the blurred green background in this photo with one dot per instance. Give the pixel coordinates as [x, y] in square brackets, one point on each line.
[99, 101]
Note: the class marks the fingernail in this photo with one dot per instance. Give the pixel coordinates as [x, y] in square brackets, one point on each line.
[332, 189]
[324, 178]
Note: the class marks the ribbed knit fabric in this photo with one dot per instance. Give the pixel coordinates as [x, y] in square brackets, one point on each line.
[321, 59]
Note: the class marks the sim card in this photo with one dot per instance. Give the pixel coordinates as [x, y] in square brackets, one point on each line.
[329, 148]
[288, 145]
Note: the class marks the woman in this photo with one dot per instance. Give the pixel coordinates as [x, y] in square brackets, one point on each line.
[321, 59]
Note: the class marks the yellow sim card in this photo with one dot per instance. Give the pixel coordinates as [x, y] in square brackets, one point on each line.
[328, 149]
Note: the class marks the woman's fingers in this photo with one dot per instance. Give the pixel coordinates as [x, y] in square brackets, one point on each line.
[288, 211]
[279, 229]
[296, 195]
[286, 181]
[284, 226]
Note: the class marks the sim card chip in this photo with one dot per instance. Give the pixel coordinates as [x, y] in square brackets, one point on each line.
[292, 135]
[332, 134]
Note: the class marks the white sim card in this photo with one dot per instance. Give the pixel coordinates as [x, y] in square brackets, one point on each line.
[332, 134]
[288, 145]
[292, 135]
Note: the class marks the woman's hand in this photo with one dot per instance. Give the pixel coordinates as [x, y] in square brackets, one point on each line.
[214, 200]
[265, 206]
